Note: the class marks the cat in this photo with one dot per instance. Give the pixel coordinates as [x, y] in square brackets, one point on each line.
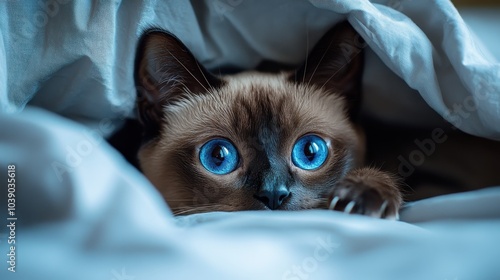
[258, 141]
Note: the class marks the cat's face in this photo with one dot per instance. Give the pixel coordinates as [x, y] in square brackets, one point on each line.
[248, 141]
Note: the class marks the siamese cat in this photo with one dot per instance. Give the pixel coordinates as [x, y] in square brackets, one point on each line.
[258, 141]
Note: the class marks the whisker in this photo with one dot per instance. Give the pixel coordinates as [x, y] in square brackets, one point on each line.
[195, 209]
[181, 200]
[182, 64]
[201, 208]
[319, 62]
[340, 69]
[203, 74]
[307, 55]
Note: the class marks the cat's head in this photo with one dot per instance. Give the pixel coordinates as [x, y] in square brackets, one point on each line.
[250, 140]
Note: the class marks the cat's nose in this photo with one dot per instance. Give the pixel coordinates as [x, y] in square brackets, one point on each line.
[273, 198]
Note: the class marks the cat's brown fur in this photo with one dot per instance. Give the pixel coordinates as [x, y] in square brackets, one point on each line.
[182, 106]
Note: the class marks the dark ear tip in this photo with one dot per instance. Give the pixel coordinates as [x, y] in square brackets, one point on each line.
[151, 35]
[155, 32]
[165, 37]
[158, 37]
[344, 31]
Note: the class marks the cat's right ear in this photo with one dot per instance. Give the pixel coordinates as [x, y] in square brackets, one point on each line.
[165, 71]
[336, 65]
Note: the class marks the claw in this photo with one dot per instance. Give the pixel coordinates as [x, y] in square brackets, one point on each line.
[349, 207]
[382, 208]
[333, 203]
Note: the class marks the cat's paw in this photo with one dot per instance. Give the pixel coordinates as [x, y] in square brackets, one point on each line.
[371, 197]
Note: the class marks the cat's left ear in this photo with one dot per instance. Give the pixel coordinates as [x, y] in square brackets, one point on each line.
[336, 65]
[165, 71]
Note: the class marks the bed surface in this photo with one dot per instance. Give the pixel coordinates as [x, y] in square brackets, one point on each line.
[103, 220]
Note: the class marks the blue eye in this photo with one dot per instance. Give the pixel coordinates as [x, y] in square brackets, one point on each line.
[309, 152]
[219, 156]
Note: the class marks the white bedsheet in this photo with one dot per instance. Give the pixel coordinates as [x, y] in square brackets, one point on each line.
[99, 218]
